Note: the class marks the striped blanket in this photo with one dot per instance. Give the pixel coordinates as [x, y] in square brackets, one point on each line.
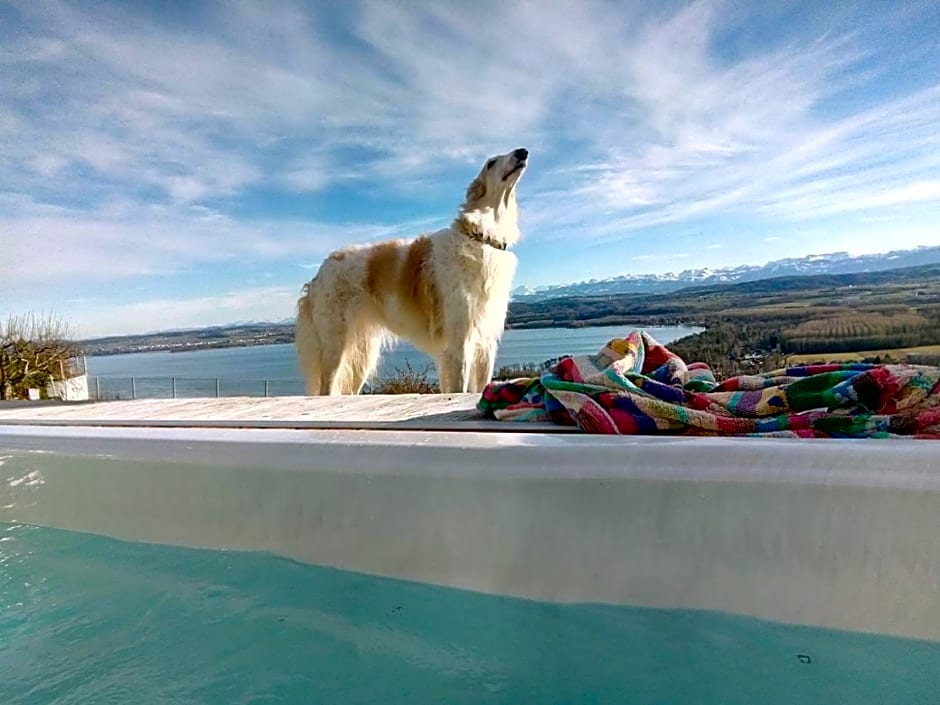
[634, 385]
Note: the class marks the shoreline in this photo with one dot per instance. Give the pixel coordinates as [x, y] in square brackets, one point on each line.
[201, 344]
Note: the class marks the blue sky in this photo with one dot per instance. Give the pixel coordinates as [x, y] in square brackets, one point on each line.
[167, 164]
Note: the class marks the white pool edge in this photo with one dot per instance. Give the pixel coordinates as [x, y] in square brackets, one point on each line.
[828, 533]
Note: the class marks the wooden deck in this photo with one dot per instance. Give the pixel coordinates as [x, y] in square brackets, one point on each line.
[445, 412]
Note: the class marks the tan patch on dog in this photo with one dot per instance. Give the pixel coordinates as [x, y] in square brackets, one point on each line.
[417, 286]
[382, 270]
[476, 190]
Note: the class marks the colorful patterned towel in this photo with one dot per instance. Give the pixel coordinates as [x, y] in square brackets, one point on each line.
[634, 385]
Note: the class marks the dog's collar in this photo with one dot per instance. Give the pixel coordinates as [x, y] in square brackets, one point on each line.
[485, 239]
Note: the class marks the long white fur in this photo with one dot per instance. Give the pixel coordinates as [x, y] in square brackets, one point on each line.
[342, 325]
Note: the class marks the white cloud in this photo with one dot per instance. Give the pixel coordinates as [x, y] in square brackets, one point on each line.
[47, 246]
[749, 137]
[255, 304]
[138, 137]
[673, 130]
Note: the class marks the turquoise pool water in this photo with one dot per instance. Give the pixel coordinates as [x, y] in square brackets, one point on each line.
[84, 619]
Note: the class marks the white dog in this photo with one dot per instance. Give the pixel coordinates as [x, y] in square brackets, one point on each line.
[447, 293]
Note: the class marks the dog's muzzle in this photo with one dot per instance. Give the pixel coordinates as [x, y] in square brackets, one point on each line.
[521, 156]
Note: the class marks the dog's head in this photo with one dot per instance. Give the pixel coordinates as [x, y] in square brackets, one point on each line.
[498, 177]
[490, 208]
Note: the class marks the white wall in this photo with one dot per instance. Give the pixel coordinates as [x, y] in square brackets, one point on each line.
[72, 389]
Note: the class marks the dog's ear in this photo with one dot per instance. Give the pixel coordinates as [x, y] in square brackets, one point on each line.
[476, 190]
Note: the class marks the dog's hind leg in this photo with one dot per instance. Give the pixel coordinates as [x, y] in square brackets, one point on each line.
[362, 356]
[311, 371]
[332, 373]
[349, 353]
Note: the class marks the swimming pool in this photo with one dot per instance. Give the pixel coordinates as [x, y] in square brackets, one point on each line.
[86, 619]
[464, 568]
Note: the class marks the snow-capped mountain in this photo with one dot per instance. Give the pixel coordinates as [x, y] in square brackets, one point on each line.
[832, 263]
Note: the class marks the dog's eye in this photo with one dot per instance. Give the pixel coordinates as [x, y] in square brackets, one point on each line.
[490, 163]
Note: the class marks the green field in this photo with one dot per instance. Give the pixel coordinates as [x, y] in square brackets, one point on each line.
[761, 325]
[896, 354]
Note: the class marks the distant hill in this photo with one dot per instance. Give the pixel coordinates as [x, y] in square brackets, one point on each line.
[235, 335]
[833, 263]
[802, 295]
[797, 298]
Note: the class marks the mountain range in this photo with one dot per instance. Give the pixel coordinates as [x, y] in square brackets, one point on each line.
[832, 263]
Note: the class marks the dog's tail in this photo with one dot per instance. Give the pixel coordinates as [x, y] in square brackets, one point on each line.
[304, 304]
[306, 341]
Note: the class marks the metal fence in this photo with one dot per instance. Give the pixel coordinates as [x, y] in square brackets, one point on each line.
[111, 388]
[75, 367]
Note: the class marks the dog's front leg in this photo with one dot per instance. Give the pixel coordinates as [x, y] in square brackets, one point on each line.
[454, 369]
[483, 363]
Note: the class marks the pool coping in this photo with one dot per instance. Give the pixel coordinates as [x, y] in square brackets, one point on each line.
[825, 532]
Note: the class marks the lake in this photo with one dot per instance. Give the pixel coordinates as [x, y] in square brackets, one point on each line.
[244, 370]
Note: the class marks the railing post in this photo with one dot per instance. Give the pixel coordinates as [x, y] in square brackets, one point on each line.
[174, 386]
[265, 387]
[133, 387]
[217, 387]
[97, 389]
